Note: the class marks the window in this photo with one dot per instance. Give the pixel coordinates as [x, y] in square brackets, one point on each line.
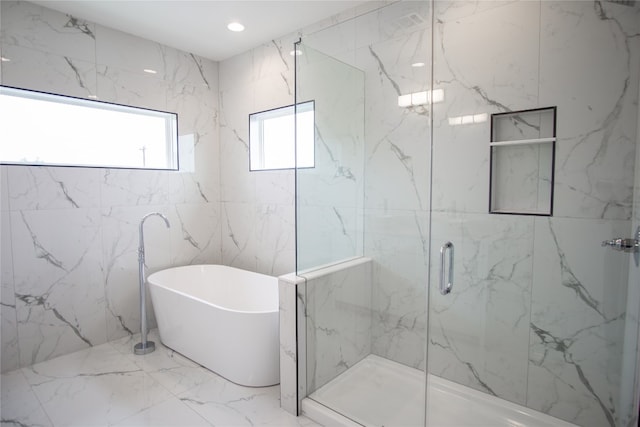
[271, 138]
[46, 129]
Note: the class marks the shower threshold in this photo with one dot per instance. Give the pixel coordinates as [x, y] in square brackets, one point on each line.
[380, 392]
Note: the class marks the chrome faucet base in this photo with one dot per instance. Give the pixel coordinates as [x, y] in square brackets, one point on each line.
[144, 348]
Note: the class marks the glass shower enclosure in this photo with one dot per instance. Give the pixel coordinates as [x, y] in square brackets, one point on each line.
[413, 149]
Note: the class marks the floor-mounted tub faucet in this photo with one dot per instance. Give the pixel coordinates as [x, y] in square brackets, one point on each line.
[144, 346]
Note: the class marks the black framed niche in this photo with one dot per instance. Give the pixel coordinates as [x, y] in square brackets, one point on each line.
[522, 162]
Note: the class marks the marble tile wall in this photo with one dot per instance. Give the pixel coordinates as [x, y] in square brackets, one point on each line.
[384, 43]
[488, 57]
[331, 194]
[336, 304]
[69, 235]
[257, 208]
[538, 310]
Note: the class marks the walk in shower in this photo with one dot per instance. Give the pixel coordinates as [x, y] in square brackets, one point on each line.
[413, 150]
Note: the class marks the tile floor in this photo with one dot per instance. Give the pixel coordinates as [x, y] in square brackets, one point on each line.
[108, 385]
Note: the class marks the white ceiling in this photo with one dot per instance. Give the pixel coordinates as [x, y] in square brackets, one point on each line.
[200, 26]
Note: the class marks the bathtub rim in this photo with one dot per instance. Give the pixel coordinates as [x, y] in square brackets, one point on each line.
[187, 295]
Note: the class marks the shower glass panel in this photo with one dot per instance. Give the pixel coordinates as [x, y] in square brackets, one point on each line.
[329, 202]
[540, 313]
[365, 210]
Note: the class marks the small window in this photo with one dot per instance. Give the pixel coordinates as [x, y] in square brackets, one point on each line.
[271, 138]
[46, 129]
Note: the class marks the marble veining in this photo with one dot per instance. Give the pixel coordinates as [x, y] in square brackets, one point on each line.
[80, 25]
[69, 262]
[107, 385]
[570, 281]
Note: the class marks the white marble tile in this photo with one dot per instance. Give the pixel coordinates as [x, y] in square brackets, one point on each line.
[19, 405]
[288, 347]
[108, 385]
[338, 319]
[122, 187]
[28, 25]
[98, 386]
[327, 234]
[140, 54]
[197, 109]
[398, 241]
[47, 72]
[45, 188]
[237, 183]
[170, 369]
[287, 291]
[188, 68]
[224, 403]
[4, 188]
[394, 21]
[596, 116]
[276, 187]
[258, 237]
[171, 412]
[495, 70]
[275, 237]
[58, 282]
[9, 321]
[195, 234]
[338, 176]
[10, 357]
[336, 40]
[273, 61]
[61, 311]
[396, 136]
[448, 11]
[479, 333]
[577, 321]
[238, 244]
[138, 89]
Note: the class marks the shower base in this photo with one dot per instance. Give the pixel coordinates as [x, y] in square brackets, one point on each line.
[380, 392]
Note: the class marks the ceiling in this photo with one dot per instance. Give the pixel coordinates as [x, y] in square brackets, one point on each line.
[200, 26]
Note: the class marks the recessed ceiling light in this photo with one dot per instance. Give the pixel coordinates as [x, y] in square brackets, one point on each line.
[296, 52]
[5, 59]
[236, 27]
[418, 64]
[150, 71]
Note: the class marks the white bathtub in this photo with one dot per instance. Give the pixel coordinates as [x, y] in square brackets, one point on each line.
[223, 318]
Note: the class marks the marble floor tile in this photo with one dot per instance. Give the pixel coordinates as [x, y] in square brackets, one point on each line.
[107, 385]
[171, 412]
[19, 405]
[224, 403]
[172, 370]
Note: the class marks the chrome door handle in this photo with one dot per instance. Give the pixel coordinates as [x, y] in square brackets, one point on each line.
[623, 245]
[446, 288]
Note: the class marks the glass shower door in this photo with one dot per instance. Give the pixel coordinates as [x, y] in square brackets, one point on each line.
[540, 313]
[329, 223]
[364, 210]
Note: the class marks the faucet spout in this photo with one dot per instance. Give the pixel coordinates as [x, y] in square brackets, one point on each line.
[144, 346]
[141, 229]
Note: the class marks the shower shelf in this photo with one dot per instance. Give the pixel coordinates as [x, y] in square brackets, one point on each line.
[522, 142]
[522, 162]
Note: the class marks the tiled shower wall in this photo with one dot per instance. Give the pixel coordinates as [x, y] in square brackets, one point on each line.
[537, 314]
[524, 278]
[538, 308]
[69, 235]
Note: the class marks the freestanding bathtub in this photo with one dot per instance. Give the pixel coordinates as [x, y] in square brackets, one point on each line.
[223, 318]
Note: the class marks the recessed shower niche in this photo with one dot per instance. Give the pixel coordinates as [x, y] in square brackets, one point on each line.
[522, 162]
